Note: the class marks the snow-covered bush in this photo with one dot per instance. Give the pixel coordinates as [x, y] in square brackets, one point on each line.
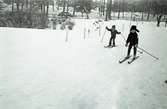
[55, 21]
[68, 24]
[63, 22]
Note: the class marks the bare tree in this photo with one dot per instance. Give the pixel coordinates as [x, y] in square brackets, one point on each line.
[64, 5]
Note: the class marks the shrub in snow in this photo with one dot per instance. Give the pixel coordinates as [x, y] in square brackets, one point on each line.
[63, 21]
[68, 24]
[55, 21]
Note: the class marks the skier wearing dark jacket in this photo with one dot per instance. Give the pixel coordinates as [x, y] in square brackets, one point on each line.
[132, 40]
[113, 35]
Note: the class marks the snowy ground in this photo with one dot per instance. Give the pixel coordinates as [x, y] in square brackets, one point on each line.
[40, 70]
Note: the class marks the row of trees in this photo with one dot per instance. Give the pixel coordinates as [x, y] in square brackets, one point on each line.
[25, 13]
[35, 12]
[83, 6]
[32, 13]
[22, 5]
[157, 8]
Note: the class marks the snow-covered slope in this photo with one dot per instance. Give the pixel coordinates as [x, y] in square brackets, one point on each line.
[40, 70]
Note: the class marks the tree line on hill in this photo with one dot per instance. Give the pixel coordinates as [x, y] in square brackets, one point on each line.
[34, 13]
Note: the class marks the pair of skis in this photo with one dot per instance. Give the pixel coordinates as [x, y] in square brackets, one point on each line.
[109, 46]
[126, 58]
[129, 62]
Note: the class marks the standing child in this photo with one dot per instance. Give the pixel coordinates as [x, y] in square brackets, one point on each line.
[132, 40]
[113, 35]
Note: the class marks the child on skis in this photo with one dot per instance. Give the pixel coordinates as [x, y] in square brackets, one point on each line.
[113, 35]
[132, 40]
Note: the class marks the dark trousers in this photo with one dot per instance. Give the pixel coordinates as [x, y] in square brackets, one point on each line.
[134, 50]
[112, 40]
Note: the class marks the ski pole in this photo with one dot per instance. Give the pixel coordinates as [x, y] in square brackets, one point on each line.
[148, 53]
[123, 37]
[103, 35]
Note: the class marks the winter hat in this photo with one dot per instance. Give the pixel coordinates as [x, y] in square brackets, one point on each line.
[113, 26]
[133, 27]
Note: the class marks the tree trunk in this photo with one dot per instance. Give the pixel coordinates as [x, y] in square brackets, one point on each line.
[148, 9]
[47, 9]
[106, 17]
[118, 13]
[12, 5]
[142, 16]
[159, 20]
[109, 9]
[131, 15]
[100, 8]
[67, 5]
[82, 13]
[58, 6]
[18, 5]
[44, 8]
[119, 10]
[123, 10]
[26, 4]
[104, 5]
[41, 6]
[53, 7]
[123, 14]
[86, 12]
[74, 9]
[31, 6]
[148, 16]
[22, 6]
[64, 5]
[87, 15]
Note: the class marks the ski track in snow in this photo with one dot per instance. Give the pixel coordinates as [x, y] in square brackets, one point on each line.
[40, 70]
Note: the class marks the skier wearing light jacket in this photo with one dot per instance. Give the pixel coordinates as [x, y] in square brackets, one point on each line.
[132, 40]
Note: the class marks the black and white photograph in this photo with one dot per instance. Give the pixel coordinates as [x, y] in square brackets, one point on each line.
[83, 54]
